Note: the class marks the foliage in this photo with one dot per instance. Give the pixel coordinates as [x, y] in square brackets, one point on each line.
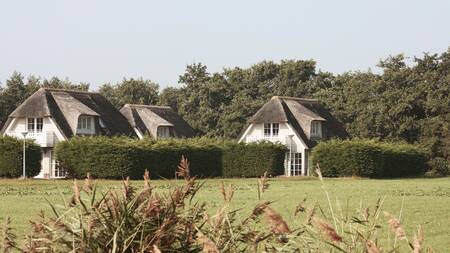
[369, 158]
[408, 102]
[403, 101]
[116, 158]
[148, 221]
[11, 158]
[131, 91]
[438, 167]
[252, 160]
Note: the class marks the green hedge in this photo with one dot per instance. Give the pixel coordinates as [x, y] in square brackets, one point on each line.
[121, 157]
[11, 155]
[252, 160]
[369, 158]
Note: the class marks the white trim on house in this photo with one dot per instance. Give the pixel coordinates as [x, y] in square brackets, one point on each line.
[11, 124]
[138, 133]
[246, 132]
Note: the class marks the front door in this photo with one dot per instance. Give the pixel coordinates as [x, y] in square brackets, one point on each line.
[293, 164]
[56, 170]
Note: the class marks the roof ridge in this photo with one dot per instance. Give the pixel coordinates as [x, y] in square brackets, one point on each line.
[68, 90]
[310, 100]
[148, 106]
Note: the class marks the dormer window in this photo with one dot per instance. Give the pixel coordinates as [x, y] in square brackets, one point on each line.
[163, 132]
[35, 125]
[316, 129]
[85, 125]
[271, 129]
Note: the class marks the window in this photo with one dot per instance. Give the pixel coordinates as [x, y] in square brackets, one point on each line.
[57, 170]
[163, 132]
[271, 129]
[85, 125]
[294, 164]
[316, 129]
[35, 124]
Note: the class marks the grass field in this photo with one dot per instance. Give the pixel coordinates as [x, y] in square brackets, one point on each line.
[425, 201]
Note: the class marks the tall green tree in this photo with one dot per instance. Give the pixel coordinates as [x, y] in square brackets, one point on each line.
[131, 91]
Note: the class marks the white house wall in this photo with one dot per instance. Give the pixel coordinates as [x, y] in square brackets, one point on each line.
[20, 125]
[256, 132]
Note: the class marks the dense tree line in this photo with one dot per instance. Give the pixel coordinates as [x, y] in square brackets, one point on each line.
[407, 100]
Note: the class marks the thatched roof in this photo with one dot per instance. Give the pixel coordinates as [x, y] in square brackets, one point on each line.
[299, 113]
[65, 106]
[147, 118]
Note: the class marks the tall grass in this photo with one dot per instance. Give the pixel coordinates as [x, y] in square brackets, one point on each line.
[147, 220]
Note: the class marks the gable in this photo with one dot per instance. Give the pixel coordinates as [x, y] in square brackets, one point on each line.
[147, 119]
[299, 114]
[65, 107]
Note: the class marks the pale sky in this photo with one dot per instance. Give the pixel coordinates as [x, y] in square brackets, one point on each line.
[104, 41]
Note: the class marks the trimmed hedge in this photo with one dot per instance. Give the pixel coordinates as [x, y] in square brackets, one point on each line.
[11, 155]
[120, 157]
[253, 159]
[369, 158]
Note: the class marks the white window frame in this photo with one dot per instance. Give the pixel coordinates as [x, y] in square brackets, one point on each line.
[163, 132]
[37, 125]
[85, 125]
[56, 170]
[316, 128]
[294, 164]
[271, 129]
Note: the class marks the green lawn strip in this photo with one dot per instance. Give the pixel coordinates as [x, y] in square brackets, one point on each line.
[425, 201]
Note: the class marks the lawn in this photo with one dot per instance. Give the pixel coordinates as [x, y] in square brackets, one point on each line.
[422, 201]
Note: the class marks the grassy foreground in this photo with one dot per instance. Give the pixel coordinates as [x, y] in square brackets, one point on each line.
[420, 201]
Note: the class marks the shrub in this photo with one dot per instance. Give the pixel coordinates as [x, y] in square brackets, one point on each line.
[252, 160]
[11, 155]
[369, 158]
[120, 157]
[103, 157]
[438, 167]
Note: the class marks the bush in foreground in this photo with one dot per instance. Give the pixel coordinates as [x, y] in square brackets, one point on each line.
[146, 221]
[121, 157]
[11, 157]
[369, 158]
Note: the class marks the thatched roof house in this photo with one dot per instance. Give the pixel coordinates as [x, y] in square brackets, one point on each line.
[300, 113]
[156, 121]
[298, 123]
[65, 107]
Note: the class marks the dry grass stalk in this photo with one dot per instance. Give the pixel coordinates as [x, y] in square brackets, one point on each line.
[227, 194]
[76, 194]
[146, 180]
[418, 240]
[208, 245]
[372, 247]
[300, 207]
[276, 222]
[319, 173]
[88, 185]
[218, 218]
[183, 168]
[153, 208]
[310, 215]
[7, 243]
[396, 227]
[263, 182]
[155, 249]
[128, 190]
[327, 230]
